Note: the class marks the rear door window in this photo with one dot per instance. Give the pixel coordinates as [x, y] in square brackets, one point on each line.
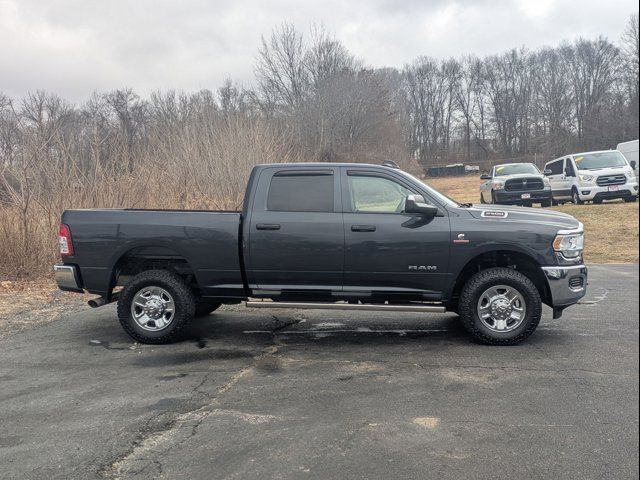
[301, 192]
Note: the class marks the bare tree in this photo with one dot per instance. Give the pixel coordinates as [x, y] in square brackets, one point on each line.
[280, 69]
[593, 68]
[554, 100]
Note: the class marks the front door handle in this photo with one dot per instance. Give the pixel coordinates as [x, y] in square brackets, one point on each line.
[267, 226]
[363, 228]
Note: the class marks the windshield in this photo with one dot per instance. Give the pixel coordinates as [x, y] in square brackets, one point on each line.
[516, 168]
[594, 161]
[450, 202]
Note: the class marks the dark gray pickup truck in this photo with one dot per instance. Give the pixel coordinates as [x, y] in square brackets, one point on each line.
[335, 236]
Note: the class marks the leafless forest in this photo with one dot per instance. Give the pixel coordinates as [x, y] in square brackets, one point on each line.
[312, 101]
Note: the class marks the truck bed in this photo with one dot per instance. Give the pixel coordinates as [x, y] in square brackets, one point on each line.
[207, 240]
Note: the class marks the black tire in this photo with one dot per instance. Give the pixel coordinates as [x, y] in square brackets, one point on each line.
[575, 197]
[597, 201]
[205, 307]
[554, 202]
[546, 203]
[482, 198]
[493, 197]
[630, 199]
[478, 284]
[183, 298]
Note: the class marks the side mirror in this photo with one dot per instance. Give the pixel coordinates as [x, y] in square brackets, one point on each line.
[633, 164]
[417, 204]
[485, 176]
[547, 172]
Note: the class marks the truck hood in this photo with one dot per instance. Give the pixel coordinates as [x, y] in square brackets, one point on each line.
[510, 214]
[520, 175]
[606, 171]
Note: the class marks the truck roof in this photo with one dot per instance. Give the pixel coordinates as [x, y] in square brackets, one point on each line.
[324, 164]
[581, 153]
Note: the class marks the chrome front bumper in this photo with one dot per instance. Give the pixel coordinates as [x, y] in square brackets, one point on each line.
[567, 284]
[67, 278]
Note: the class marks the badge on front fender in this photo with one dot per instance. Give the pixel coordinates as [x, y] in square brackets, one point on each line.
[494, 214]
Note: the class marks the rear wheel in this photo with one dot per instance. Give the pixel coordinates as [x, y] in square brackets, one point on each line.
[155, 306]
[493, 197]
[500, 306]
[482, 198]
[630, 199]
[545, 203]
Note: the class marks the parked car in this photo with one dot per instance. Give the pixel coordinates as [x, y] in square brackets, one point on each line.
[630, 152]
[592, 176]
[333, 236]
[515, 184]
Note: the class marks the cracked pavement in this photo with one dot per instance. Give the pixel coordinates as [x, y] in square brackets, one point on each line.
[327, 394]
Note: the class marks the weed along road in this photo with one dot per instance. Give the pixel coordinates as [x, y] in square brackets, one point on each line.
[320, 394]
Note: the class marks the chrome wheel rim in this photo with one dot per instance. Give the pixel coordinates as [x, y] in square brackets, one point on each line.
[501, 308]
[153, 308]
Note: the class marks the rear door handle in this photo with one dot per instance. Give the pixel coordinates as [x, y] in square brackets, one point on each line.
[267, 226]
[363, 228]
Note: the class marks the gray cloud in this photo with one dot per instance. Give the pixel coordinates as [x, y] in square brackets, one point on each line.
[74, 47]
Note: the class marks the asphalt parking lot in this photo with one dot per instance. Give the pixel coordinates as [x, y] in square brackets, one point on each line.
[312, 394]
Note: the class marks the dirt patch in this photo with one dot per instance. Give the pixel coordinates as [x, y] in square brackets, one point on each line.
[427, 422]
[25, 305]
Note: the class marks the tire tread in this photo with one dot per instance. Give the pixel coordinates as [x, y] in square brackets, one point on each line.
[482, 280]
[185, 301]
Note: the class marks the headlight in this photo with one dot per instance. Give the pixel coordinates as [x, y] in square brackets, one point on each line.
[498, 184]
[546, 181]
[571, 246]
[586, 178]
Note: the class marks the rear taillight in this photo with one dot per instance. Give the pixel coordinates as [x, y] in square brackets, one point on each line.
[64, 240]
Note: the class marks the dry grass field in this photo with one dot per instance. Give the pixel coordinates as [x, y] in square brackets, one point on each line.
[611, 228]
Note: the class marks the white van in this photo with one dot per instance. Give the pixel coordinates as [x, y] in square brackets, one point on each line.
[592, 176]
[630, 152]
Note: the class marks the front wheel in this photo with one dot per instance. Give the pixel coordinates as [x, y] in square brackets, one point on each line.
[500, 306]
[155, 306]
[545, 203]
[575, 197]
[631, 199]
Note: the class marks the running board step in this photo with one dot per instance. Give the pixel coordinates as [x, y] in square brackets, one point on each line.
[347, 306]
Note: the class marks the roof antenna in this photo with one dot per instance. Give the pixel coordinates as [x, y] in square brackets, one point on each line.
[390, 164]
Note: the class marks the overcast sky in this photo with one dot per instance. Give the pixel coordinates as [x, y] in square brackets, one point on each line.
[73, 47]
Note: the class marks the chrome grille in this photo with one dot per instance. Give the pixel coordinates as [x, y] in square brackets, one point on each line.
[524, 184]
[605, 180]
